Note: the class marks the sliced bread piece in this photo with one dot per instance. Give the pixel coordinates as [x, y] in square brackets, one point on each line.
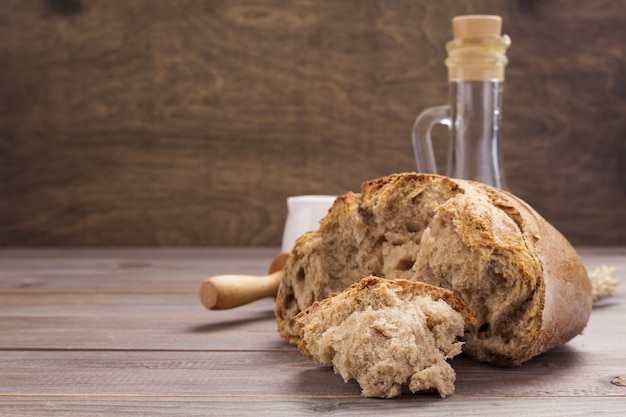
[388, 335]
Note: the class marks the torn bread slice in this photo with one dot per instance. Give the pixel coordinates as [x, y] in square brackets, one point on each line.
[388, 335]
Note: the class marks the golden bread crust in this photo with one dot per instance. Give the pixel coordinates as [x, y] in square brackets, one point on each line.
[523, 279]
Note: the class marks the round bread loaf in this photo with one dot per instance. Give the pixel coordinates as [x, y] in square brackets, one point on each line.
[388, 335]
[526, 283]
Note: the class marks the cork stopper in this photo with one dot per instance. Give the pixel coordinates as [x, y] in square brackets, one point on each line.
[476, 26]
[478, 50]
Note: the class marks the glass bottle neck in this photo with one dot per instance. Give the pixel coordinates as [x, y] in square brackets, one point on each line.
[475, 117]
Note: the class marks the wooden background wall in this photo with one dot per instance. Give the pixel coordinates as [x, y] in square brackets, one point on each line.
[165, 122]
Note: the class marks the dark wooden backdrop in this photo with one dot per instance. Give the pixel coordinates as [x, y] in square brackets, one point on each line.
[158, 122]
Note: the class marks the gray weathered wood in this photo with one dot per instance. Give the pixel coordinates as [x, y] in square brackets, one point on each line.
[97, 347]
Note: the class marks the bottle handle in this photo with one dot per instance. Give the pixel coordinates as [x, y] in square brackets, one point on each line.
[422, 143]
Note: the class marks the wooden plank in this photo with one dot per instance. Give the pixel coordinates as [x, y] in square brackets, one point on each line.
[254, 374]
[597, 256]
[112, 316]
[178, 321]
[129, 321]
[112, 350]
[186, 254]
[272, 406]
[254, 331]
[133, 322]
[139, 270]
[164, 269]
[152, 122]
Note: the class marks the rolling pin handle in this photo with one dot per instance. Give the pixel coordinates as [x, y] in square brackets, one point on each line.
[228, 291]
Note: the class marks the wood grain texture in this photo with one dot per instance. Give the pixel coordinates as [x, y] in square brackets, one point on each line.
[197, 374]
[154, 122]
[340, 406]
[148, 270]
[108, 350]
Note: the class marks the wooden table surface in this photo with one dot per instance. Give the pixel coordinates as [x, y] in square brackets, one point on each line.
[98, 332]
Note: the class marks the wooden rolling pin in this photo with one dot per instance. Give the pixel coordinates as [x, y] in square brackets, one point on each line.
[227, 291]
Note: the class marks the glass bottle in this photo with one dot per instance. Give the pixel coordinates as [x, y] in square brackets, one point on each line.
[476, 61]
